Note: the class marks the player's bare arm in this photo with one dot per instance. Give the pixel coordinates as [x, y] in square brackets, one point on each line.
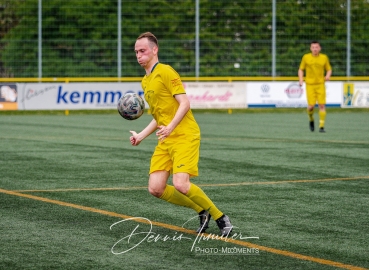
[328, 75]
[184, 106]
[137, 138]
[301, 77]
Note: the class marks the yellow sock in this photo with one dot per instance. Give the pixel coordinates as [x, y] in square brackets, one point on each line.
[311, 115]
[322, 115]
[197, 195]
[172, 195]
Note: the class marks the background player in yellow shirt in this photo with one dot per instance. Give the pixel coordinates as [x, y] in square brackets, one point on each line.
[315, 64]
[178, 134]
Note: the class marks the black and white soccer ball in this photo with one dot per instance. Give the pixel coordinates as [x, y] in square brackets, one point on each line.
[131, 106]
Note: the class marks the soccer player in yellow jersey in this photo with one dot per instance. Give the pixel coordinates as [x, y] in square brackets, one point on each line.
[178, 135]
[318, 70]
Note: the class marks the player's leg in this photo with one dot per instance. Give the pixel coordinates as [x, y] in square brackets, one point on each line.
[311, 100]
[185, 155]
[322, 115]
[182, 183]
[159, 188]
[158, 182]
[321, 97]
[185, 164]
[160, 167]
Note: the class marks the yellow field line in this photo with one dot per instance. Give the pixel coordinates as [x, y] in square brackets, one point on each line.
[287, 181]
[80, 189]
[280, 140]
[201, 185]
[180, 229]
[204, 138]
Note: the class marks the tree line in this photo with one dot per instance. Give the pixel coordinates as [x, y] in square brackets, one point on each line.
[79, 37]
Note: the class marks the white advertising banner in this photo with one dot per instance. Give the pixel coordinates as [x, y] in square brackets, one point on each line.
[216, 94]
[288, 94]
[356, 94]
[69, 96]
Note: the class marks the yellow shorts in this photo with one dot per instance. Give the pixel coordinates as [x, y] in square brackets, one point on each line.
[178, 154]
[315, 93]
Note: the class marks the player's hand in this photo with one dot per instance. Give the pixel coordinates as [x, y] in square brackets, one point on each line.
[134, 139]
[163, 132]
[327, 78]
[301, 83]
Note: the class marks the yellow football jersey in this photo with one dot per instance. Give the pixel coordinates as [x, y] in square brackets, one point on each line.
[315, 67]
[159, 88]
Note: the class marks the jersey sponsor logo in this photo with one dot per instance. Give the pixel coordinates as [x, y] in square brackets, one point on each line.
[176, 82]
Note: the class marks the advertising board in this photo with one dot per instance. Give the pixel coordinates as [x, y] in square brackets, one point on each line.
[216, 94]
[71, 96]
[288, 94]
[356, 94]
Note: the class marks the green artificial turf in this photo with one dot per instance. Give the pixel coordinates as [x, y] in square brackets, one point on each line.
[299, 192]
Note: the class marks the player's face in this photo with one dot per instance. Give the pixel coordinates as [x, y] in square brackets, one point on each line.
[315, 48]
[144, 52]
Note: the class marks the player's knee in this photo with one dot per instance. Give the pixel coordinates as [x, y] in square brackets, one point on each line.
[182, 187]
[181, 182]
[155, 192]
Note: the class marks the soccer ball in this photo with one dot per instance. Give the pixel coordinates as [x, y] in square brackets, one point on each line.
[131, 106]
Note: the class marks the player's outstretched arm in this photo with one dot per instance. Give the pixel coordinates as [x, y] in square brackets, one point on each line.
[137, 138]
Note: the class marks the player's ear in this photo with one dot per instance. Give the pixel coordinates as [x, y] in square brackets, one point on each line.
[155, 49]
